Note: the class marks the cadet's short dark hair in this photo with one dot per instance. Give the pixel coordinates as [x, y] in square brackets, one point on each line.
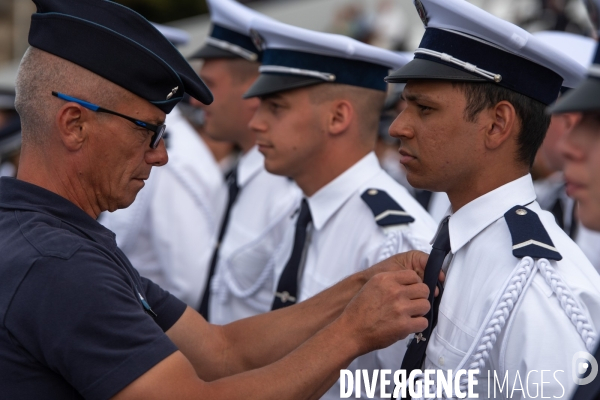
[534, 121]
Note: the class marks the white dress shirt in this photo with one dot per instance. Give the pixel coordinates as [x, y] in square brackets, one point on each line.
[538, 335]
[169, 231]
[243, 280]
[345, 238]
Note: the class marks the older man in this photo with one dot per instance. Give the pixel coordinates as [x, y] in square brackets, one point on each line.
[77, 320]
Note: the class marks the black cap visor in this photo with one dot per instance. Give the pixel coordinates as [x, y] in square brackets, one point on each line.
[267, 84]
[426, 69]
[208, 51]
[586, 97]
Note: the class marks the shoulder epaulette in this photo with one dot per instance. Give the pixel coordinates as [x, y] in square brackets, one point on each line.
[385, 209]
[529, 237]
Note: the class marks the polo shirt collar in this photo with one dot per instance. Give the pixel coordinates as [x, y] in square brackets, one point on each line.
[249, 166]
[330, 198]
[20, 195]
[480, 213]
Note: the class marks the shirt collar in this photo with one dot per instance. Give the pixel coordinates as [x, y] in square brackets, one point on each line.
[332, 196]
[249, 165]
[480, 213]
[19, 195]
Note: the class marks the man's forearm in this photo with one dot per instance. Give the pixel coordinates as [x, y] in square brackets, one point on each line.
[268, 337]
[305, 373]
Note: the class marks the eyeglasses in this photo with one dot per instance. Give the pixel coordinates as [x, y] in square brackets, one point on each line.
[159, 130]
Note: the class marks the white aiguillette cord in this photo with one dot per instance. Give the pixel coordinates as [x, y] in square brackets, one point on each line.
[496, 319]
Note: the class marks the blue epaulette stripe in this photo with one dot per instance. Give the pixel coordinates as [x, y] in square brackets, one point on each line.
[529, 237]
[385, 209]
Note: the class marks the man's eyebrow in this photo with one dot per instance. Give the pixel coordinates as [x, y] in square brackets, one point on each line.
[414, 96]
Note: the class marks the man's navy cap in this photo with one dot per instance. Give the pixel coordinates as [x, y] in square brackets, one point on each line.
[230, 34]
[119, 45]
[295, 57]
[586, 96]
[464, 43]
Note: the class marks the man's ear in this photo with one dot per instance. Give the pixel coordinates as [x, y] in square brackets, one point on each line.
[340, 116]
[501, 124]
[73, 125]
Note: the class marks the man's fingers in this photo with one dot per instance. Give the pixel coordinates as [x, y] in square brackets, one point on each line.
[418, 324]
[416, 291]
[419, 307]
[405, 277]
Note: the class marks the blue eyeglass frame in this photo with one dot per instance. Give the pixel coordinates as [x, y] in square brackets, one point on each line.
[159, 130]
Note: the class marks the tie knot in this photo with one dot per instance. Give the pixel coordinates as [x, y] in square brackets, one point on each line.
[304, 217]
[442, 239]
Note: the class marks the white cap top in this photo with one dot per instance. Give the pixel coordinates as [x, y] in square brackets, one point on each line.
[463, 17]
[277, 35]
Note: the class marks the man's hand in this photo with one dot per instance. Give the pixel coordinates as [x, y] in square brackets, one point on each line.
[411, 261]
[388, 308]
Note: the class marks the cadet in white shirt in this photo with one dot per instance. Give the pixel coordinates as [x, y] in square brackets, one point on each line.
[550, 189]
[261, 205]
[169, 231]
[581, 151]
[520, 297]
[321, 96]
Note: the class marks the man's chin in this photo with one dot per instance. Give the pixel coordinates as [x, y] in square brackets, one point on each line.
[420, 182]
[275, 169]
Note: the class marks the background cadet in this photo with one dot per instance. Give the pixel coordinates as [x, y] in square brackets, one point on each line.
[10, 134]
[260, 204]
[169, 231]
[320, 101]
[581, 150]
[76, 319]
[548, 166]
[476, 93]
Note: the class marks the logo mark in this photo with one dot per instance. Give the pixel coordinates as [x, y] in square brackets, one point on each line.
[173, 91]
[258, 40]
[584, 367]
[422, 12]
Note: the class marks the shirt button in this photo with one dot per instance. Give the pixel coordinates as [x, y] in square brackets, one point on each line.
[441, 360]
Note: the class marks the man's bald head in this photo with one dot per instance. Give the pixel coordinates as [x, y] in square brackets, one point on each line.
[39, 74]
[367, 103]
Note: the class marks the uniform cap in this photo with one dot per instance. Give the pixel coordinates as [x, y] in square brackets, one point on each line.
[586, 96]
[464, 43]
[230, 34]
[295, 57]
[119, 45]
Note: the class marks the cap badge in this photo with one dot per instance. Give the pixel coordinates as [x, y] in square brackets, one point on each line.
[258, 41]
[422, 12]
[173, 91]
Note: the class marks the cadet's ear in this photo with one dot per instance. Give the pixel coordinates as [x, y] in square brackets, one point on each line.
[340, 116]
[501, 123]
[73, 125]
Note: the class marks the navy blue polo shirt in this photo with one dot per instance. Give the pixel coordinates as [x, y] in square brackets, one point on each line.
[72, 324]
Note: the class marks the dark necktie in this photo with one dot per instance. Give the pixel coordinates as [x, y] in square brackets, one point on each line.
[415, 354]
[287, 288]
[559, 213]
[234, 190]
